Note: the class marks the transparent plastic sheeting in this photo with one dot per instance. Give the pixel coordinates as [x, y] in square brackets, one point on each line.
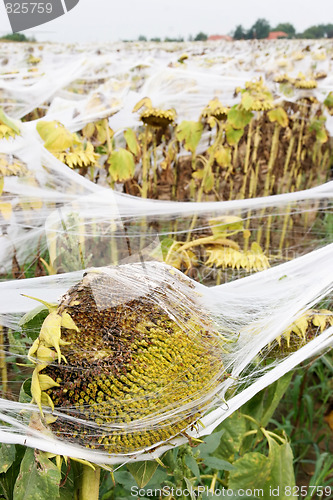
[231, 328]
[51, 204]
[76, 84]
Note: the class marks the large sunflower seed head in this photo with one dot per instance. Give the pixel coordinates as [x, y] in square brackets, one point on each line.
[144, 364]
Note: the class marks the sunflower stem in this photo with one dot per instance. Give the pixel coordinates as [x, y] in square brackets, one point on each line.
[3, 365]
[89, 487]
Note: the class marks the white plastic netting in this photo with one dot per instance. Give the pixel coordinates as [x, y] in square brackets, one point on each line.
[155, 327]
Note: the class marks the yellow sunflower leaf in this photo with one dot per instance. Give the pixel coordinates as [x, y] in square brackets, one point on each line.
[67, 322]
[131, 141]
[320, 320]
[278, 115]
[36, 390]
[46, 382]
[51, 331]
[190, 132]
[6, 210]
[223, 156]
[122, 165]
[145, 102]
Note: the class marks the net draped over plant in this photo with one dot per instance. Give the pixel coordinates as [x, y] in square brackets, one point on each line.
[153, 327]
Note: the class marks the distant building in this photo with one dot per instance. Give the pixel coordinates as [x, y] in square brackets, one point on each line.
[214, 38]
[274, 35]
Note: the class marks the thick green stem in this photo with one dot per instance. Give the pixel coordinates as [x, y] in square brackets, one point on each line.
[89, 487]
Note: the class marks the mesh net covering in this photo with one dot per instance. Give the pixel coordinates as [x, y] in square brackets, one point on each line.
[138, 344]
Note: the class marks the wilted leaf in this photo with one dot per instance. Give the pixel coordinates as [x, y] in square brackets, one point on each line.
[220, 226]
[208, 182]
[278, 115]
[233, 135]
[122, 165]
[247, 101]
[145, 102]
[223, 156]
[5, 210]
[238, 118]
[56, 137]
[131, 141]
[190, 132]
[142, 471]
[7, 121]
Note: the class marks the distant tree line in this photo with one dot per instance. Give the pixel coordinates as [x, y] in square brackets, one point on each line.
[260, 29]
[17, 37]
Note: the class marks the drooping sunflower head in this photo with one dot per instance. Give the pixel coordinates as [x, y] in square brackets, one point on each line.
[155, 117]
[216, 110]
[140, 361]
[11, 166]
[301, 82]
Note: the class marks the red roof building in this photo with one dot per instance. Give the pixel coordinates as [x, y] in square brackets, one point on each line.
[215, 38]
[274, 35]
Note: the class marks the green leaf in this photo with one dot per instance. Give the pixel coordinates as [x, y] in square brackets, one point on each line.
[142, 471]
[252, 471]
[25, 392]
[329, 101]
[238, 118]
[275, 393]
[193, 466]
[124, 478]
[234, 427]
[7, 479]
[190, 132]
[262, 474]
[122, 165]
[282, 470]
[189, 487]
[7, 456]
[38, 478]
[233, 136]
[218, 464]
[32, 321]
[131, 141]
[208, 182]
[211, 443]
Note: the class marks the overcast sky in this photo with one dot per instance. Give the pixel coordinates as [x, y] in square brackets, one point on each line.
[112, 20]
